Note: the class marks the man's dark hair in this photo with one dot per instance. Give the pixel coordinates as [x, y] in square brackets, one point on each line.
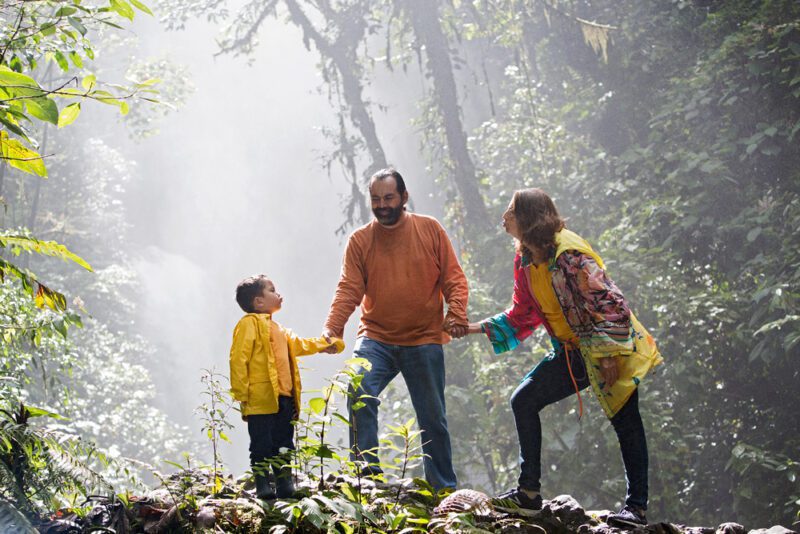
[389, 172]
[248, 289]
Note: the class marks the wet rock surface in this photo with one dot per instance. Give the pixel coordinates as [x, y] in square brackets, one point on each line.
[186, 504]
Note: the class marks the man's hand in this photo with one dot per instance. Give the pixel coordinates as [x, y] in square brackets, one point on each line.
[458, 331]
[609, 370]
[461, 330]
[455, 330]
[331, 349]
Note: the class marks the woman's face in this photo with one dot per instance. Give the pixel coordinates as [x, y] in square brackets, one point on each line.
[510, 222]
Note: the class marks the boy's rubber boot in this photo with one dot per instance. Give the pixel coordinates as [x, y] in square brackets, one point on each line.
[264, 487]
[284, 485]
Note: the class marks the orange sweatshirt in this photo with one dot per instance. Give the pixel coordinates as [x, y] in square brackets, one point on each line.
[401, 277]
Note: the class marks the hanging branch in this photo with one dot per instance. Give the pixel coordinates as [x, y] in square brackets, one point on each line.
[342, 53]
[425, 23]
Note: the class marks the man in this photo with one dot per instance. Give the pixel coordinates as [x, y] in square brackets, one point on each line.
[400, 268]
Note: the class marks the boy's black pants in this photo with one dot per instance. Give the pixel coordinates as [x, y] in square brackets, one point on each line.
[269, 433]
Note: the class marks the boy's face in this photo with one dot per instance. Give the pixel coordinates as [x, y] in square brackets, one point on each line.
[269, 301]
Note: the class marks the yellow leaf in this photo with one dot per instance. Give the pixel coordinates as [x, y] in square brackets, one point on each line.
[69, 114]
[20, 157]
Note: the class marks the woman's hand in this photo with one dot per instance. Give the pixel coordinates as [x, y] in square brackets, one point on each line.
[609, 370]
[461, 330]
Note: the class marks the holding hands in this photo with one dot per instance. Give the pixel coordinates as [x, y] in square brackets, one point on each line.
[460, 330]
[330, 338]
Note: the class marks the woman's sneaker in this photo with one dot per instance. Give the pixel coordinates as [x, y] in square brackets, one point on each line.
[628, 517]
[516, 501]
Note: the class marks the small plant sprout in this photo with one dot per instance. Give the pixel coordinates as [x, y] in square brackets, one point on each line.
[214, 410]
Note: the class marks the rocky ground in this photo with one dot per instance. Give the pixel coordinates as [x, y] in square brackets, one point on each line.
[345, 505]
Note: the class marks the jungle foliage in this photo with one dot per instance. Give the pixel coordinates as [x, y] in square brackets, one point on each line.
[667, 133]
[66, 376]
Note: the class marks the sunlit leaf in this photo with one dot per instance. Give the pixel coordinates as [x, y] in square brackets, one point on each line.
[69, 114]
[123, 8]
[89, 82]
[141, 7]
[61, 59]
[46, 248]
[43, 108]
[20, 157]
[317, 404]
[77, 60]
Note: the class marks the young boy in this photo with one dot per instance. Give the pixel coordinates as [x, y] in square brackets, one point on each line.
[266, 381]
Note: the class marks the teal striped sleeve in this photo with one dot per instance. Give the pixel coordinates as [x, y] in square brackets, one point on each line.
[500, 332]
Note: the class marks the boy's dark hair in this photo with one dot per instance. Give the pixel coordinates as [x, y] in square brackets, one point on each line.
[248, 289]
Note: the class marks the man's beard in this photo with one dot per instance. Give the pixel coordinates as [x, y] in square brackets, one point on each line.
[388, 216]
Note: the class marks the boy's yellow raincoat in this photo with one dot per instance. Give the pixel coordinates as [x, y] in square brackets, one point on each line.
[254, 377]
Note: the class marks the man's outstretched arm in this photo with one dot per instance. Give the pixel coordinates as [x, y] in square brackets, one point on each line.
[349, 291]
[454, 284]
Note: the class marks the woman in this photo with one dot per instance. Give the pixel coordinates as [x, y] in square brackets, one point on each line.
[560, 282]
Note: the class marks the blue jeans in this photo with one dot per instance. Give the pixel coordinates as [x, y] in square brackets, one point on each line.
[422, 367]
[549, 382]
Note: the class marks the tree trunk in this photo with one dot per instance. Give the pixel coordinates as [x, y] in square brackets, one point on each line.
[424, 18]
[342, 52]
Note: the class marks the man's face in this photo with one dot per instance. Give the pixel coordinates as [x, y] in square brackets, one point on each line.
[269, 301]
[387, 203]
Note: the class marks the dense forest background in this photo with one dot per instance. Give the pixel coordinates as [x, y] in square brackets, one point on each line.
[667, 132]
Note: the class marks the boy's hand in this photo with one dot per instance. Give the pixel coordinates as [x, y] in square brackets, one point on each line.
[328, 336]
[331, 349]
[242, 408]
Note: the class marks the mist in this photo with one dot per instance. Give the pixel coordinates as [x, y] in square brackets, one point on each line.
[665, 133]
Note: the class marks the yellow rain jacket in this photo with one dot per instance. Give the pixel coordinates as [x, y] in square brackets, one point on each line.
[546, 296]
[254, 377]
[635, 360]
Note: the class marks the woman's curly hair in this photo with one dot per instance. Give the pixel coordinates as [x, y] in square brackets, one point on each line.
[537, 219]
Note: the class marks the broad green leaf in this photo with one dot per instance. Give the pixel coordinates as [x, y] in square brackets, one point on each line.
[69, 114]
[77, 60]
[46, 248]
[61, 327]
[123, 8]
[20, 157]
[65, 11]
[76, 23]
[61, 60]
[40, 412]
[149, 82]
[10, 122]
[89, 82]
[124, 108]
[141, 7]
[18, 84]
[43, 109]
[48, 29]
[317, 404]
